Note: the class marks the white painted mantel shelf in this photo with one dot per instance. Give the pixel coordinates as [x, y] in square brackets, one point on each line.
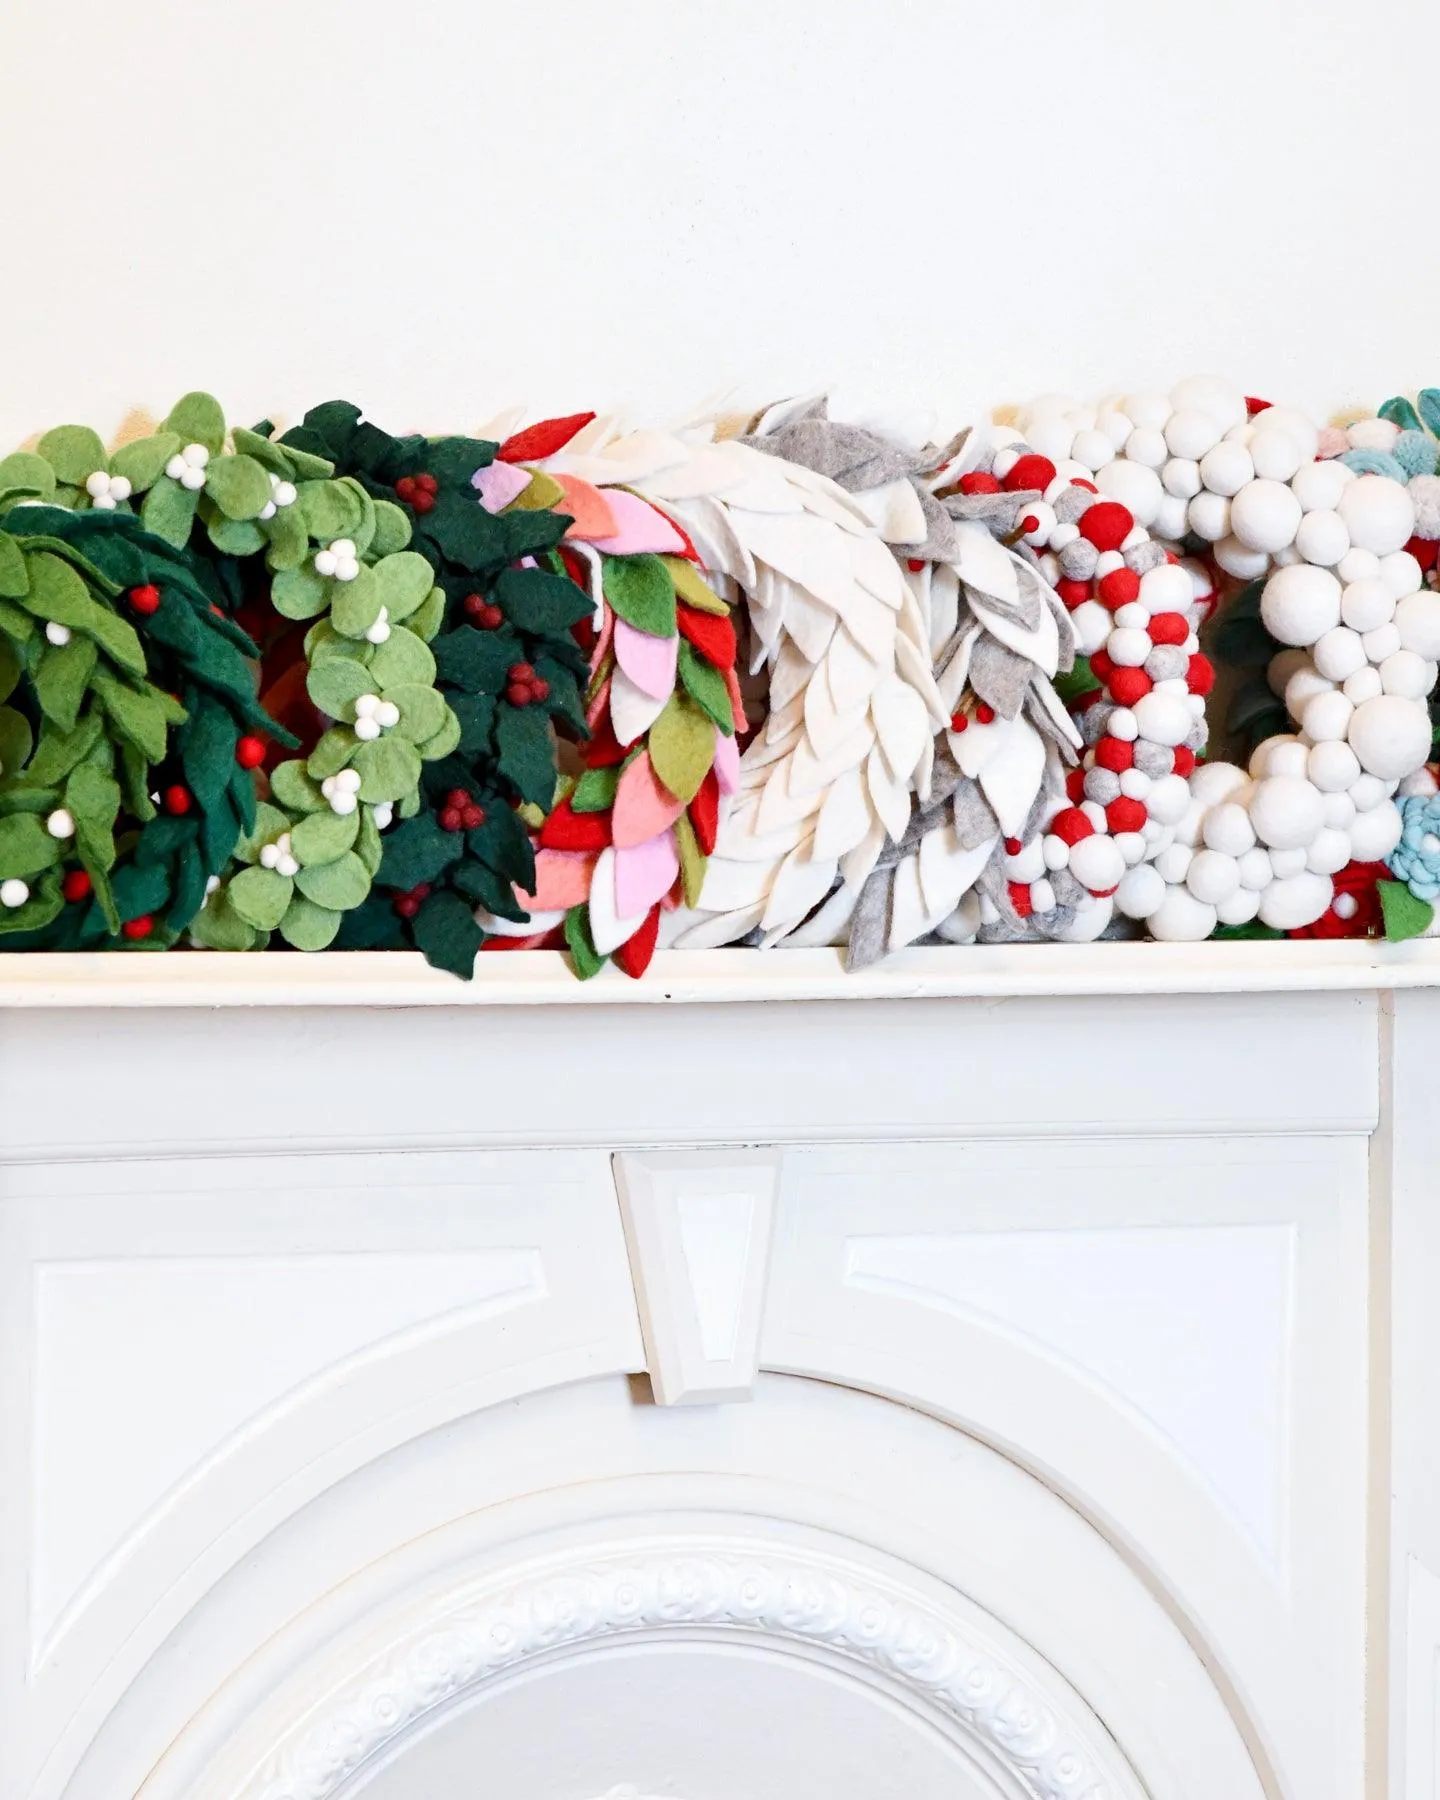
[1009, 1374]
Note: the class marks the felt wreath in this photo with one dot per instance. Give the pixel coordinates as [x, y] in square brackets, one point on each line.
[633, 832]
[501, 657]
[123, 785]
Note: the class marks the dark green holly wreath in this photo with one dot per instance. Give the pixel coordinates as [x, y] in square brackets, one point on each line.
[507, 665]
[126, 742]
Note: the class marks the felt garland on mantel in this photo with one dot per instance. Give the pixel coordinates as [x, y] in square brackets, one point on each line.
[785, 680]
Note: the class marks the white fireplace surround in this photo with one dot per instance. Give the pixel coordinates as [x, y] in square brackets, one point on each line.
[1007, 1375]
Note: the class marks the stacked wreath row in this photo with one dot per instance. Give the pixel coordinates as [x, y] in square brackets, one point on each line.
[337, 688]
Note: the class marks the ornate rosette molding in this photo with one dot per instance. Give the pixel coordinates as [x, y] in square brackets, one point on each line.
[711, 1586]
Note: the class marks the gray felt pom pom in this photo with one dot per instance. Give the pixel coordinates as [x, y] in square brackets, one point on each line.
[1166, 662]
[1153, 760]
[1141, 557]
[1071, 502]
[1078, 560]
[1102, 786]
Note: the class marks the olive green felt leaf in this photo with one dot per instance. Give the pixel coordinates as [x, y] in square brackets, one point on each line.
[706, 687]
[14, 580]
[364, 530]
[74, 452]
[321, 837]
[337, 683]
[26, 472]
[143, 462]
[430, 617]
[93, 800]
[339, 885]
[586, 959]
[527, 752]
[9, 669]
[295, 791]
[446, 933]
[117, 637]
[640, 590]
[392, 529]
[389, 768]
[261, 897]
[169, 511]
[298, 594]
[403, 657]
[196, 418]
[404, 581]
[307, 926]
[1404, 915]
[682, 747]
[422, 711]
[692, 587]
[26, 847]
[692, 860]
[355, 605]
[61, 679]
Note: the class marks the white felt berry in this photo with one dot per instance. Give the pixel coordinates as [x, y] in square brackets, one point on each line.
[13, 893]
[1162, 718]
[1107, 562]
[1330, 851]
[1417, 618]
[1364, 605]
[1363, 685]
[1135, 486]
[379, 632]
[282, 493]
[326, 563]
[1226, 469]
[1133, 617]
[1214, 783]
[1146, 447]
[1092, 626]
[342, 791]
[1094, 448]
[1265, 516]
[1132, 846]
[387, 714]
[1383, 641]
[1322, 538]
[1338, 654]
[1173, 862]
[1189, 432]
[1211, 394]
[60, 823]
[1055, 851]
[192, 462]
[1181, 478]
[1097, 863]
[1372, 434]
[1300, 604]
[1240, 559]
[1212, 876]
[176, 466]
[1042, 896]
[1391, 736]
[1005, 461]
[1129, 647]
[1326, 717]
[1401, 573]
[1295, 900]
[1150, 409]
[1376, 832]
[1208, 516]
[1274, 452]
[1289, 862]
[384, 815]
[1115, 425]
[1121, 724]
[1227, 828]
[1238, 908]
[1286, 811]
[56, 633]
[1141, 891]
[1256, 869]
[195, 456]
[1135, 784]
[1378, 513]
[1319, 485]
[1168, 800]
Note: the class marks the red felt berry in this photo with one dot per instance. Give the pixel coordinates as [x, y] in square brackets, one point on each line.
[1102, 666]
[1020, 898]
[1029, 523]
[1071, 825]
[1125, 814]
[145, 600]
[959, 721]
[1075, 786]
[1184, 763]
[1107, 524]
[540, 689]
[423, 501]
[472, 817]
[1129, 685]
[177, 799]
[406, 905]
[451, 818]
[136, 929]
[405, 487]
[517, 694]
[1168, 628]
[1073, 593]
[914, 564]
[76, 885]
[1030, 472]
[521, 672]
[1114, 754]
[250, 751]
[427, 484]
[1119, 587]
[978, 482]
[475, 605]
[1013, 846]
[1426, 551]
[1200, 676]
[984, 714]
[457, 797]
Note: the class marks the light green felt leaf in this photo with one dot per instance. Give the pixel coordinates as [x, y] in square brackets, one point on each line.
[364, 532]
[1404, 915]
[270, 822]
[422, 711]
[298, 594]
[238, 485]
[26, 847]
[333, 753]
[595, 791]
[640, 590]
[431, 616]
[217, 926]
[295, 791]
[340, 885]
[9, 669]
[73, 452]
[289, 541]
[61, 678]
[392, 529]
[25, 469]
[682, 747]
[169, 511]
[402, 657]
[57, 592]
[235, 537]
[389, 769]
[329, 509]
[197, 418]
[261, 897]
[337, 683]
[355, 605]
[143, 462]
[14, 580]
[137, 716]
[368, 846]
[307, 926]
[16, 741]
[322, 837]
[268, 452]
[404, 582]
[445, 741]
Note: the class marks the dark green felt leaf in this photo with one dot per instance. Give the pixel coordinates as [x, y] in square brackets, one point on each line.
[503, 843]
[584, 956]
[1428, 400]
[536, 601]
[595, 790]
[475, 661]
[527, 753]
[417, 851]
[16, 741]
[1404, 915]
[706, 687]
[641, 592]
[1400, 412]
[446, 933]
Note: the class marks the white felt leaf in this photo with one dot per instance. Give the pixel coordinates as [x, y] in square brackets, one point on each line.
[1055, 709]
[827, 501]
[1011, 779]
[891, 798]
[793, 672]
[628, 460]
[716, 541]
[902, 725]
[856, 864]
[493, 926]
[811, 625]
[801, 883]
[811, 774]
[845, 815]
[944, 606]
[809, 550]
[750, 844]
[710, 931]
[608, 931]
[709, 470]
[870, 622]
[502, 424]
[983, 564]
[913, 668]
[908, 919]
[824, 726]
[875, 568]
[948, 870]
[925, 771]
[764, 488]
[779, 804]
[955, 672]
[632, 710]
[826, 926]
[895, 512]
[974, 747]
[1035, 646]
[850, 674]
[731, 884]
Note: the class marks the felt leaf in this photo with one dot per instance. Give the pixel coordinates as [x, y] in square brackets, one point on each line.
[713, 637]
[389, 769]
[444, 741]
[641, 528]
[641, 591]
[565, 829]
[137, 715]
[1400, 412]
[337, 683]
[308, 925]
[26, 847]
[650, 662]
[287, 538]
[595, 790]
[632, 711]
[1404, 915]
[562, 880]
[692, 588]
[536, 442]
[727, 761]
[270, 822]
[74, 452]
[1428, 400]
[590, 512]
[217, 926]
[392, 529]
[474, 661]
[238, 485]
[339, 885]
[498, 484]
[25, 472]
[706, 687]
[355, 604]
[643, 807]
[58, 751]
[169, 511]
[693, 862]
[9, 669]
[330, 510]
[402, 657]
[608, 927]
[540, 492]
[417, 851]
[332, 754]
[586, 959]
[261, 897]
[534, 600]
[526, 752]
[403, 582]
[321, 837]
[644, 873]
[422, 711]
[197, 418]
[682, 746]
[235, 537]
[447, 935]
[57, 592]
[295, 791]
[62, 678]
[14, 581]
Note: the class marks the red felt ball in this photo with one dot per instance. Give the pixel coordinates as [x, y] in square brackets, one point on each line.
[1030, 472]
[1101, 665]
[978, 482]
[1107, 524]
[1114, 754]
[1073, 593]
[1125, 814]
[1168, 628]
[1200, 676]
[1425, 551]
[984, 714]
[476, 605]
[427, 484]
[520, 671]
[1013, 846]
[250, 751]
[422, 501]
[76, 885]
[1071, 825]
[138, 928]
[914, 564]
[145, 600]
[405, 487]
[518, 694]
[451, 819]
[457, 797]
[540, 688]
[1020, 898]
[177, 799]
[472, 817]
[1119, 587]
[1129, 685]
[1184, 762]
[959, 722]
[1075, 786]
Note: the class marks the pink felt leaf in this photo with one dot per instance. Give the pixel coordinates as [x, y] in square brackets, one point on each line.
[727, 762]
[590, 511]
[639, 528]
[499, 484]
[644, 873]
[595, 711]
[562, 880]
[648, 661]
[643, 806]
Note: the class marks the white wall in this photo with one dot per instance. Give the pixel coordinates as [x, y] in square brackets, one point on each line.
[441, 206]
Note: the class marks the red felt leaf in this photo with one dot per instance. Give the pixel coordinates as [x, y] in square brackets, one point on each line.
[705, 813]
[712, 635]
[690, 552]
[537, 442]
[603, 749]
[554, 939]
[634, 954]
[566, 829]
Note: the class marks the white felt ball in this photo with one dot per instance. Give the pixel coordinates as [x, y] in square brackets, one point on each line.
[1042, 895]
[56, 633]
[1421, 782]
[1056, 852]
[1295, 425]
[1378, 513]
[1107, 562]
[1319, 485]
[1129, 648]
[1332, 766]
[1226, 469]
[1181, 918]
[1300, 604]
[1239, 560]
[1417, 618]
[388, 713]
[1028, 865]
[1372, 434]
[1187, 828]
[1134, 485]
[1166, 588]
[196, 455]
[1391, 736]
[1208, 516]
[1211, 394]
[1212, 876]
[1146, 446]
[1191, 432]
[1092, 626]
[1044, 517]
[1147, 408]
[1132, 616]
[1256, 870]
[1286, 811]
[13, 893]
[1181, 477]
[1163, 718]
[367, 729]
[1227, 828]
[97, 483]
[1061, 536]
[1383, 641]
[325, 562]
[1321, 538]
[1358, 565]
[1170, 517]
[120, 488]
[1005, 461]
[1214, 783]
[1097, 863]
[1283, 665]
[1278, 756]
[61, 823]
[1287, 862]
[1302, 687]
[193, 479]
[1116, 426]
[1295, 901]
[1366, 604]
[1265, 516]
[1363, 685]
[1274, 451]
[1121, 724]
[1051, 437]
[1399, 571]
[1135, 784]
[1329, 853]
[1326, 717]
[1093, 448]
[1141, 891]
[1376, 832]
[1132, 846]
[1240, 907]
[1173, 862]
[1169, 799]
[1369, 790]
[1339, 653]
